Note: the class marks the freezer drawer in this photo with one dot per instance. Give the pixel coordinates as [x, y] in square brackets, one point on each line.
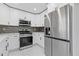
[60, 48]
[47, 46]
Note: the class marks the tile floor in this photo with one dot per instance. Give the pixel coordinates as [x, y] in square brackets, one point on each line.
[35, 50]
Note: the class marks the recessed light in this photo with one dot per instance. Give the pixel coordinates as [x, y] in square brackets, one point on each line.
[34, 9]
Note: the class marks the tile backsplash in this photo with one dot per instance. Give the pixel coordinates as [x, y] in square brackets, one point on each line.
[8, 29]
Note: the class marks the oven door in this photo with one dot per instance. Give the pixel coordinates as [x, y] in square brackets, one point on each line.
[25, 41]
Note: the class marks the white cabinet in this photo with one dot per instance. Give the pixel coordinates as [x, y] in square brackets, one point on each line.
[37, 21]
[13, 41]
[8, 42]
[8, 16]
[16, 15]
[3, 47]
[14, 19]
[40, 40]
[38, 37]
[23, 15]
[4, 14]
[35, 37]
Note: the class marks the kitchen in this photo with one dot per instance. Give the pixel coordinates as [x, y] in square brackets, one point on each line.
[39, 29]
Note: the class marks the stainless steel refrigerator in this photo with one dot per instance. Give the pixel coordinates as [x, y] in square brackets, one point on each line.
[59, 42]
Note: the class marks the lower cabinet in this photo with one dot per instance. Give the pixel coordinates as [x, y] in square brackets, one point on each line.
[13, 42]
[38, 37]
[9, 42]
[41, 40]
[3, 48]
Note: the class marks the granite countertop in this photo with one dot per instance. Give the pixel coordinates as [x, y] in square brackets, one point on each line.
[3, 36]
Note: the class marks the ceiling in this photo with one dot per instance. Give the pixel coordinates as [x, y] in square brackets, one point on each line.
[31, 7]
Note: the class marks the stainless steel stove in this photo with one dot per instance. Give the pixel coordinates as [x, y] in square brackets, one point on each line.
[26, 38]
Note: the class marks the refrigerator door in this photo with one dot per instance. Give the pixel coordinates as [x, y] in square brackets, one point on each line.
[60, 48]
[59, 23]
[47, 46]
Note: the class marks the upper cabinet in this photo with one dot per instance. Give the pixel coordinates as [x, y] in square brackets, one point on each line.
[14, 18]
[8, 16]
[37, 21]
[16, 15]
[4, 14]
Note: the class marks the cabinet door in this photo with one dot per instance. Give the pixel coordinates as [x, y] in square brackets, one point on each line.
[60, 48]
[14, 17]
[41, 39]
[34, 21]
[38, 38]
[34, 38]
[4, 14]
[37, 21]
[13, 42]
[2, 47]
